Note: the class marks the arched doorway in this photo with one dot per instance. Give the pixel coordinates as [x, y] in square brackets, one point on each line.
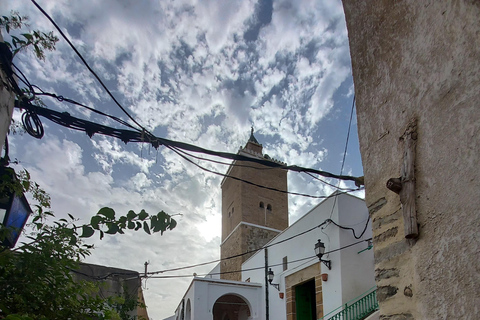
[231, 307]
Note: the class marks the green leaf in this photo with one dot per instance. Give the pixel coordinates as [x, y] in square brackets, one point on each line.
[131, 225]
[112, 228]
[95, 221]
[139, 225]
[101, 234]
[28, 36]
[107, 212]
[142, 215]
[71, 217]
[173, 224]
[131, 215]
[87, 232]
[145, 227]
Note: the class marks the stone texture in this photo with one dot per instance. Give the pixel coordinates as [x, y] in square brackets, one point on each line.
[381, 274]
[403, 316]
[386, 292]
[420, 59]
[386, 235]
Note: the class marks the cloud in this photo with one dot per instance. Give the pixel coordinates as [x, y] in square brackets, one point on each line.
[200, 72]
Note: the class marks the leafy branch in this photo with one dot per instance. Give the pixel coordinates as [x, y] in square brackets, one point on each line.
[39, 40]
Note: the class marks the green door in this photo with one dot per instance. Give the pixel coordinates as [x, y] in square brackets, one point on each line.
[305, 301]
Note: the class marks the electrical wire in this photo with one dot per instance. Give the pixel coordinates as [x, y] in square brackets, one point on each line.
[257, 268]
[353, 230]
[88, 66]
[242, 180]
[32, 124]
[156, 141]
[345, 150]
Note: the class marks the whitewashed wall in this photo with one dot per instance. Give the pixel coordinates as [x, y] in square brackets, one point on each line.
[351, 274]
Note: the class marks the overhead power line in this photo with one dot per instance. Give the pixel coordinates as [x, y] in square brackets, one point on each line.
[268, 246]
[155, 141]
[87, 65]
[257, 268]
[91, 128]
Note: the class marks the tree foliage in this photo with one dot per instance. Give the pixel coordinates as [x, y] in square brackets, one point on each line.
[37, 279]
[40, 41]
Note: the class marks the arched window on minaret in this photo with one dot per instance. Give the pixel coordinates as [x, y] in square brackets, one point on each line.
[261, 205]
[269, 207]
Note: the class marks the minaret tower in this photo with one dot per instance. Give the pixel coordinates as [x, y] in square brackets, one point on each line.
[251, 216]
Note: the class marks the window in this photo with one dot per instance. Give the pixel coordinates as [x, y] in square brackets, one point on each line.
[269, 207]
[285, 263]
[262, 205]
[229, 214]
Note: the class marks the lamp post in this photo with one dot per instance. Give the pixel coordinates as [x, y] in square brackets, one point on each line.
[319, 251]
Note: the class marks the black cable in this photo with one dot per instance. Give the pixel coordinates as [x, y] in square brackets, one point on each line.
[345, 151]
[257, 168]
[258, 268]
[88, 66]
[353, 230]
[34, 129]
[91, 128]
[348, 135]
[242, 180]
[241, 254]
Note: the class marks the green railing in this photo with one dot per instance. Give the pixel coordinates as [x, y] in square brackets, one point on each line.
[358, 310]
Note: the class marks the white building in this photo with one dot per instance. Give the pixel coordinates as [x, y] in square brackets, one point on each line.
[307, 289]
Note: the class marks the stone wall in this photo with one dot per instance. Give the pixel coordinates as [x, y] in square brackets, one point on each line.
[421, 60]
[241, 201]
[246, 238]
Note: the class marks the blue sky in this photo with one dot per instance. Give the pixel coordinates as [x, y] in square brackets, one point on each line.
[201, 72]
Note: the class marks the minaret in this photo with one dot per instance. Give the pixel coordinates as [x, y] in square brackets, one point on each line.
[251, 216]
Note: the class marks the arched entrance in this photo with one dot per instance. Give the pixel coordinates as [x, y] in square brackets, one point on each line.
[231, 307]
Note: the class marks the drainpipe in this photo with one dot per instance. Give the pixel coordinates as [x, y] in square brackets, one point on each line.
[267, 306]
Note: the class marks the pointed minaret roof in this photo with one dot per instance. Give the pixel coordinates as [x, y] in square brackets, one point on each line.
[252, 137]
[253, 145]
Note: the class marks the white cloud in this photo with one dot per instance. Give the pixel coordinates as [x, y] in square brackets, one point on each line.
[183, 70]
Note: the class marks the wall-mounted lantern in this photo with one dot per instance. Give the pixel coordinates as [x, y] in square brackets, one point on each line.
[270, 279]
[14, 211]
[319, 251]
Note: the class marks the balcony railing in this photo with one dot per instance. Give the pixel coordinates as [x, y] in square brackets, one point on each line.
[357, 310]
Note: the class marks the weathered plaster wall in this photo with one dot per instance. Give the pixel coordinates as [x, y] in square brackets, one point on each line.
[7, 98]
[421, 59]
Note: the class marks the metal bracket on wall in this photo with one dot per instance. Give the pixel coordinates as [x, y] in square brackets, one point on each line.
[404, 186]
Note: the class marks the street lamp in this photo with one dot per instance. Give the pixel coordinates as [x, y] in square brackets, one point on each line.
[270, 279]
[14, 212]
[319, 251]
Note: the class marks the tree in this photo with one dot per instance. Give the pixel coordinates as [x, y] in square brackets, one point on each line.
[38, 278]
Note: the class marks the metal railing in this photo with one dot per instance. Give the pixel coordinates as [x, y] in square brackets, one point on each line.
[358, 310]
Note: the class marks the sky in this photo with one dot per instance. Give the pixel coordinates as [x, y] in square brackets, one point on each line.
[200, 72]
